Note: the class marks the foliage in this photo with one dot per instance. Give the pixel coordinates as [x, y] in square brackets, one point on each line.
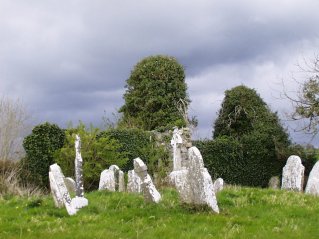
[40, 146]
[249, 140]
[306, 102]
[98, 154]
[154, 88]
[244, 213]
[139, 143]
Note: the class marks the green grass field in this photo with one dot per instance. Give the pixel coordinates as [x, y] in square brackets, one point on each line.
[245, 213]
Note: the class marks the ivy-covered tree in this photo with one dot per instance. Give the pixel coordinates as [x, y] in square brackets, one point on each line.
[40, 146]
[244, 111]
[153, 90]
[246, 121]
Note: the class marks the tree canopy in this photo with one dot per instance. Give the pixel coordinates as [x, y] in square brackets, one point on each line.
[153, 90]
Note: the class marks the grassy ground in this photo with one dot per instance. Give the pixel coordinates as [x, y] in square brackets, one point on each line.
[245, 213]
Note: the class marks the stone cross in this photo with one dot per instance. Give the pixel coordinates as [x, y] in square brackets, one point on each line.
[293, 174]
[176, 142]
[79, 201]
[149, 191]
[59, 190]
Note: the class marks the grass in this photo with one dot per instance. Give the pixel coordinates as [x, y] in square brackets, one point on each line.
[245, 213]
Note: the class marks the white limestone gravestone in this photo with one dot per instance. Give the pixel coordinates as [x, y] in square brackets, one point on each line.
[313, 181]
[293, 174]
[112, 179]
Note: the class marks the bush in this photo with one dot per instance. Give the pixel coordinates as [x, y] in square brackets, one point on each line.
[40, 146]
[249, 162]
[139, 143]
[98, 154]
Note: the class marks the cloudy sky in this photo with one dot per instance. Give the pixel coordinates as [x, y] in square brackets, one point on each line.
[69, 60]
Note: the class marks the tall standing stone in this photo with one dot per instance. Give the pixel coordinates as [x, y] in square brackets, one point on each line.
[293, 174]
[59, 190]
[313, 181]
[149, 191]
[79, 201]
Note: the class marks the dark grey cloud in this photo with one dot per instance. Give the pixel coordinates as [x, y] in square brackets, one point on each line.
[69, 61]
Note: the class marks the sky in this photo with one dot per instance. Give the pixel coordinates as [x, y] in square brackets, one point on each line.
[69, 61]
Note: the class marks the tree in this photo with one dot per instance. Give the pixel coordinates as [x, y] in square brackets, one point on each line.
[40, 146]
[154, 88]
[244, 111]
[13, 125]
[306, 102]
[246, 121]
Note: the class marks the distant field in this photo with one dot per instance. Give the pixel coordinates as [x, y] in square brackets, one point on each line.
[245, 213]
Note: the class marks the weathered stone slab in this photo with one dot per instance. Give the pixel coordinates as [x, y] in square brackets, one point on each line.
[133, 182]
[79, 201]
[112, 179]
[59, 190]
[70, 184]
[274, 182]
[149, 191]
[200, 180]
[313, 181]
[121, 181]
[176, 142]
[293, 174]
[218, 185]
[107, 180]
[194, 183]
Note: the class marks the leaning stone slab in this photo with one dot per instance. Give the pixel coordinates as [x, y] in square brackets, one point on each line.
[59, 190]
[313, 181]
[293, 174]
[149, 191]
[134, 183]
[200, 180]
[121, 181]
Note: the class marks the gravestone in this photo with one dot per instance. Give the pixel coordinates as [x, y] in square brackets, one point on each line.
[176, 143]
[107, 180]
[313, 181]
[70, 184]
[112, 179]
[79, 201]
[194, 184]
[274, 182]
[218, 185]
[133, 182]
[149, 191]
[293, 174]
[59, 191]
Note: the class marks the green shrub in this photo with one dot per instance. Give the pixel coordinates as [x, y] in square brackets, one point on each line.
[139, 143]
[40, 146]
[98, 154]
